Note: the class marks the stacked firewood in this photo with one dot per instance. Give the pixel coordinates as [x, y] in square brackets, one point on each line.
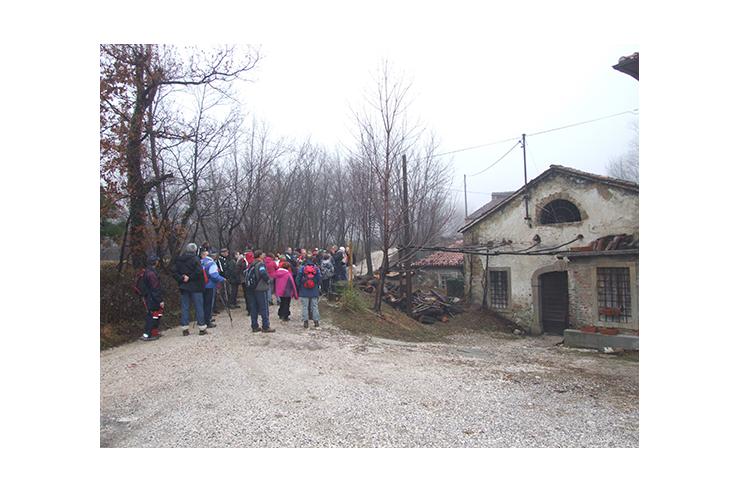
[427, 307]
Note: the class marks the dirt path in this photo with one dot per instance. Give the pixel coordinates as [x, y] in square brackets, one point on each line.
[328, 388]
[361, 266]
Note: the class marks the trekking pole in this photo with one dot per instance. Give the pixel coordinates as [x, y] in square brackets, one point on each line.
[223, 299]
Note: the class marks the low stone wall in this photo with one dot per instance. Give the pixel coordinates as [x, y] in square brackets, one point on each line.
[576, 338]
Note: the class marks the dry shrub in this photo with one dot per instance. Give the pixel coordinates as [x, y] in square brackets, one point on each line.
[122, 312]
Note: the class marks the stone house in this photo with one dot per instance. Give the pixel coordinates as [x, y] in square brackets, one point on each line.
[565, 255]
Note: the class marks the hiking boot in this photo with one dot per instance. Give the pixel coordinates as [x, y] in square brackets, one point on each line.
[203, 332]
[147, 337]
[185, 332]
[211, 325]
[268, 329]
[315, 323]
[256, 330]
[305, 324]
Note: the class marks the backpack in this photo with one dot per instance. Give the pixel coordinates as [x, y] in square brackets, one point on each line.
[140, 287]
[327, 269]
[309, 272]
[250, 276]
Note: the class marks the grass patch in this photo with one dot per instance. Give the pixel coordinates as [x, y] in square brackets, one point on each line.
[354, 314]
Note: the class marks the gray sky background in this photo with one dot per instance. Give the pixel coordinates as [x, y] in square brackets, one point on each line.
[475, 77]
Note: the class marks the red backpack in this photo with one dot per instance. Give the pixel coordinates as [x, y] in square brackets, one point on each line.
[309, 272]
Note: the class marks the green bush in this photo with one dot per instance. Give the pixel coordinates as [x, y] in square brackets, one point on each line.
[112, 229]
[352, 300]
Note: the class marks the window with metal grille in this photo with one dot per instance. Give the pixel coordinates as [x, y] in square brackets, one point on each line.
[614, 297]
[559, 211]
[499, 288]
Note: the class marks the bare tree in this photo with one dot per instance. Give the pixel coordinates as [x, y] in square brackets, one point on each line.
[202, 173]
[130, 77]
[627, 166]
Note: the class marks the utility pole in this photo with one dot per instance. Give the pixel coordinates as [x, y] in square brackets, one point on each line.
[465, 190]
[407, 237]
[526, 191]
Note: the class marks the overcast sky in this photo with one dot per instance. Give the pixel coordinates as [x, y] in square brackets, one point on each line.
[473, 82]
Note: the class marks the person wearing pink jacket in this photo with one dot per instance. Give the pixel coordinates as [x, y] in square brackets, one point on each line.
[285, 289]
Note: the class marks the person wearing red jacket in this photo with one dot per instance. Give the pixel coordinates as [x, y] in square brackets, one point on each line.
[271, 267]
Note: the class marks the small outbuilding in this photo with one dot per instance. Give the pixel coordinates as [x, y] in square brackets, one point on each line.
[443, 270]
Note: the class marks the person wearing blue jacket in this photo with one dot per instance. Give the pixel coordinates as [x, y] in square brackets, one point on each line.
[209, 295]
[307, 280]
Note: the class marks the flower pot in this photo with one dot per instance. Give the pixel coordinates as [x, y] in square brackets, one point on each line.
[589, 328]
[610, 311]
[608, 331]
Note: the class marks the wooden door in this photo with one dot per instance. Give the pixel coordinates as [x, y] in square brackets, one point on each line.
[554, 301]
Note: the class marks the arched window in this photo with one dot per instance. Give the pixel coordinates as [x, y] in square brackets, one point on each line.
[559, 211]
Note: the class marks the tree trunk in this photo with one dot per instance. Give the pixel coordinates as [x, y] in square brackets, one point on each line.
[135, 183]
[368, 254]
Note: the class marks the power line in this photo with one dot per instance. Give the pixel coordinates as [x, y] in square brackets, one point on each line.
[474, 147]
[584, 122]
[499, 159]
[537, 133]
[469, 191]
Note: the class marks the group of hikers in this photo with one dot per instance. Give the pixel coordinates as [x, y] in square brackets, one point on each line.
[265, 278]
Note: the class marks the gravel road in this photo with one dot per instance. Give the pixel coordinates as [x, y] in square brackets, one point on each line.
[328, 388]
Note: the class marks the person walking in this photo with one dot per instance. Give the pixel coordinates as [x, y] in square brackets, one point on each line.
[227, 268]
[213, 279]
[292, 258]
[327, 273]
[285, 289]
[308, 279]
[149, 288]
[241, 270]
[257, 282]
[340, 267]
[191, 282]
[271, 266]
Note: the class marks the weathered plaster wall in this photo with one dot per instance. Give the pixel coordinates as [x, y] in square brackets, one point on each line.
[583, 295]
[605, 210]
